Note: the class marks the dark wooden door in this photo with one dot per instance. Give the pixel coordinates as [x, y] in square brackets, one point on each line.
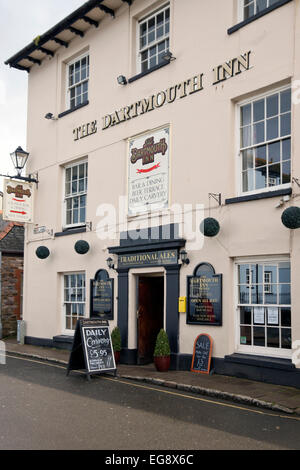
[150, 316]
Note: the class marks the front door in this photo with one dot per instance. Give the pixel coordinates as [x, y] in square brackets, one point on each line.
[150, 315]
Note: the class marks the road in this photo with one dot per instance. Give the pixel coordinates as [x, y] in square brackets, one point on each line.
[41, 408]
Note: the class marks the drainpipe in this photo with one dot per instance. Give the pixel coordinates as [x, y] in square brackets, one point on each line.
[0, 294]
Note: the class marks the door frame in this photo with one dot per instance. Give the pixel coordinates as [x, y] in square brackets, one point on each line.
[133, 282]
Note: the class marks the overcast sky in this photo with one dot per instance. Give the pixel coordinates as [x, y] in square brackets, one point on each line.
[20, 22]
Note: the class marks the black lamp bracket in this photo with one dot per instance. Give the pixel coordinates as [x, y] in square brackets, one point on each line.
[217, 197]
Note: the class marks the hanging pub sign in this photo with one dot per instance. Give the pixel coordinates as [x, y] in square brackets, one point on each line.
[18, 201]
[204, 294]
[148, 171]
[102, 296]
[202, 354]
[92, 349]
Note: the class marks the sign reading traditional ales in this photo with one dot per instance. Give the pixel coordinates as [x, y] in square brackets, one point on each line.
[151, 258]
[204, 292]
[18, 200]
[92, 349]
[102, 295]
[202, 354]
[148, 174]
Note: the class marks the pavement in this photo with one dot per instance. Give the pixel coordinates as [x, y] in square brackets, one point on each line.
[273, 397]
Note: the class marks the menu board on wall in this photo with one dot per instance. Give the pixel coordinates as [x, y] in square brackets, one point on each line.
[204, 294]
[148, 173]
[102, 296]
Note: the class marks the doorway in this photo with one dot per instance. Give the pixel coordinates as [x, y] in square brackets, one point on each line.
[150, 315]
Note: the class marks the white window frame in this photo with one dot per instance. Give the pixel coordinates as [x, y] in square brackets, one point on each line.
[165, 37]
[64, 329]
[241, 9]
[258, 350]
[239, 166]
[79, 194]
[68, 87]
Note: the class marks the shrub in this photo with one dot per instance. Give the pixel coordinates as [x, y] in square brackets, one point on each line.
[116, 339]
[162, 347]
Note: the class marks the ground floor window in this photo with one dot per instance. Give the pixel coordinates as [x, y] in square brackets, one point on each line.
[74, 299]
[264, 305]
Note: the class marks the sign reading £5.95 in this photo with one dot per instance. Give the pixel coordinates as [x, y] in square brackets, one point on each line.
[18, 200]
[148, 174]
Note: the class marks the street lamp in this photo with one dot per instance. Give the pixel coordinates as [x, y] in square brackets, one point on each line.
[19, 158]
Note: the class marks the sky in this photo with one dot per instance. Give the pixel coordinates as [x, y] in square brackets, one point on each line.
[20, 22]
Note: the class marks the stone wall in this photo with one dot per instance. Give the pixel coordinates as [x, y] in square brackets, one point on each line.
[11, 282]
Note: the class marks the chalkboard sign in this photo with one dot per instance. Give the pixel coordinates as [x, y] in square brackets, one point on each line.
[202, 354]
[204, 297]
[102, 295]
[92, 348]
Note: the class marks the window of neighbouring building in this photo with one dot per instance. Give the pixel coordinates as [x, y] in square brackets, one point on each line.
[264, 306]
[153, 39]
[74, 299]
[76, 181]
[265, 142]
[78, 81]
[253, 7]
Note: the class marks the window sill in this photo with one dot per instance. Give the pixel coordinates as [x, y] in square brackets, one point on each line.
[255, 197]
[240, 25]
[143, 74]
[70, 231]
[69, 111]
[261, 361]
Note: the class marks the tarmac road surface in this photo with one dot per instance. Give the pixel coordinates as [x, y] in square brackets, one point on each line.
[42, 409]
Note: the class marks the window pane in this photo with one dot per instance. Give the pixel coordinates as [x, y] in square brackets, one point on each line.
[286, 149]
[243, 273]
[285, 101]
[258, 110]
[261, 177]
[271, 294]
[258, 336]
[274, 152]
[245, 315]
[246, 115]
[274, 175]
[272, 128]
[286, 317]
[286, 172]
[248, 180]
[246, 136]
[257, 294]
[284, 272]
[270, 274]
[261, 5]
[284, 294]
[245, 337]
[273, 337]
[272, 106]
[285, 124]
[248, 11]
[286, 338]
[261, 156]
[247, 159]
[244, 294]
[258, 133]
[257, 273]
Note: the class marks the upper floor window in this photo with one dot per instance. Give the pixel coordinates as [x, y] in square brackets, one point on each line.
[78, 81]
[253, 7]
[265, 141]
[153, 38]
[76, 180]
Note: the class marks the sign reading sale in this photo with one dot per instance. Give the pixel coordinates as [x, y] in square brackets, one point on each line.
[18, 200]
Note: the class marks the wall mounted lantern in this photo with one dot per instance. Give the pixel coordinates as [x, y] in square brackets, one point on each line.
[184, 257]
[110, 263]
[19, 158]
[122, 80]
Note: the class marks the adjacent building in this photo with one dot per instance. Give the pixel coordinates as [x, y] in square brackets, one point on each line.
[164, 138]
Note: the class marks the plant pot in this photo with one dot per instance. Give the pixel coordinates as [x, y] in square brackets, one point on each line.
[162, 363]
[117, 356]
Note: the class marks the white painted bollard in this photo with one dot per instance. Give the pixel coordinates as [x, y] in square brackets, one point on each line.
[2, 353]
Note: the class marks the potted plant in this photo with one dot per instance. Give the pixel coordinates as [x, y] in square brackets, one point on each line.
[116, 343]
[162, 352]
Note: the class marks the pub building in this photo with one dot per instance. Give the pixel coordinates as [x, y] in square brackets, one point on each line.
[163, 135]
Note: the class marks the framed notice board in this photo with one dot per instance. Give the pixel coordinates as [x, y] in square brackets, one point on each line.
[204, 297]
[102, 296]
[92, 349]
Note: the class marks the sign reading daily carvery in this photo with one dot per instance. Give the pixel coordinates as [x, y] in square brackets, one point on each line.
[18, 198]
[148, 173]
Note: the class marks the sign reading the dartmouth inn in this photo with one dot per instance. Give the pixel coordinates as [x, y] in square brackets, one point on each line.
[181, 90]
